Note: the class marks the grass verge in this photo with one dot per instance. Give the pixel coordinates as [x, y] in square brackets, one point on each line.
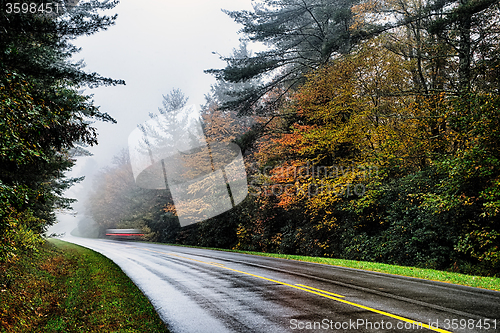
[68, 288]
[491, 283]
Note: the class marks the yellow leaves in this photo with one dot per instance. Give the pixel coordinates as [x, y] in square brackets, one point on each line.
[169, 208]
[329, 94]
[362, 13]
[224, 125]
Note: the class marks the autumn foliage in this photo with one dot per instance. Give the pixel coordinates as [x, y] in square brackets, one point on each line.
[425, 168]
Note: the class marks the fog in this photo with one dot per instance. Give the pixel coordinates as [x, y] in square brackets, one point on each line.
[155, 46]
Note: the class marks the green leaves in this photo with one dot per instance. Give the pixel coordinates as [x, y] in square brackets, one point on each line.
[42, 117]
[301, 36]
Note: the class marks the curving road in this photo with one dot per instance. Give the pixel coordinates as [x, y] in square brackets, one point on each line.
[198, 290]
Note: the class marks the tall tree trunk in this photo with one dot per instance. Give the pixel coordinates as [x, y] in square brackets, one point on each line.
[464, 53]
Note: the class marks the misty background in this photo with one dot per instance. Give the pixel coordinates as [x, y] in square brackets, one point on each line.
[155, 46]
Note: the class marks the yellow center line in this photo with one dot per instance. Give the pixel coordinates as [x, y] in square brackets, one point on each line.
[322, 291]
[387, 314]
[316, 292]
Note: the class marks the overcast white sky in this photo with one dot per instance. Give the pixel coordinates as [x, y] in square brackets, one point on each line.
[155, 46]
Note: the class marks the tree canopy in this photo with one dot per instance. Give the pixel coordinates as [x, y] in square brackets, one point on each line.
[385, 150]
[299, 35]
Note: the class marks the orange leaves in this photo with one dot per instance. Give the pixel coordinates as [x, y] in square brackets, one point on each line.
[293, 143]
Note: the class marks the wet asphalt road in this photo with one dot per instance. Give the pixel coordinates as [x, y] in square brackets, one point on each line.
[197, 290]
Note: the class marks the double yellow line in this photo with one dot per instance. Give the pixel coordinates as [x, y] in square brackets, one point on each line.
[316, 291]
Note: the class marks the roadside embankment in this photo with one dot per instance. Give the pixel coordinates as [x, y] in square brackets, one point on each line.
[68, 288]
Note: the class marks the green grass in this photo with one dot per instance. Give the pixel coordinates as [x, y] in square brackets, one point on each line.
[68, 288]
[483, 282]
[421, 273]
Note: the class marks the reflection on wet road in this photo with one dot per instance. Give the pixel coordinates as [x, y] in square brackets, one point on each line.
[198, 290]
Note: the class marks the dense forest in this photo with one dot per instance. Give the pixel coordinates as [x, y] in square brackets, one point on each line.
[370, 131]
